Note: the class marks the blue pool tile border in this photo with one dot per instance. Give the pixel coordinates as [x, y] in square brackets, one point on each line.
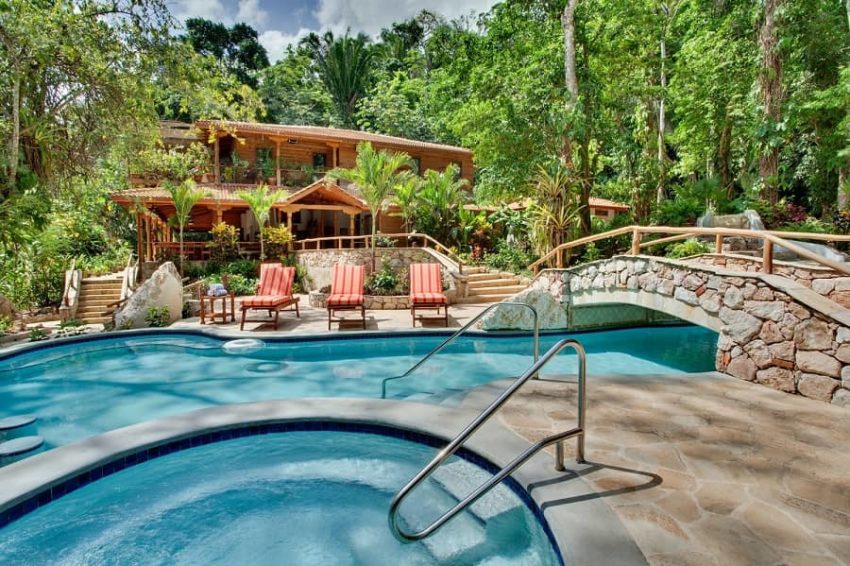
[83, 479]
[31, 347]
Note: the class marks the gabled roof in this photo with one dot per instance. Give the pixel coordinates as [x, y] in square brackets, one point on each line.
[217, 194]
[327, 135]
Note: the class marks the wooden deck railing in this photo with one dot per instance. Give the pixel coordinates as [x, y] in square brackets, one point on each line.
[769, 239]
[364, 241]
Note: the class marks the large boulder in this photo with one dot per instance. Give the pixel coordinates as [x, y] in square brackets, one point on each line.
[7, 311]
[163, 289]
[551, 313]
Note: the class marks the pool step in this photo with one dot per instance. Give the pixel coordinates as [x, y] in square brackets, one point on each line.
[459, 481]
[21, 445]
[11, 423]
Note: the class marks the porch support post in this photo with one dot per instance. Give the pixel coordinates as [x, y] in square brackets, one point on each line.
[277, 161]
[217, 163]
[140, 253]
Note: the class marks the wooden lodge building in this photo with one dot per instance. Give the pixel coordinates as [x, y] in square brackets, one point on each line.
[292, 159]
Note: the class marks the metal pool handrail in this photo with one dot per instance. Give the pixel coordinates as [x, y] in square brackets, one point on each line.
[460, 331]
[470, 429]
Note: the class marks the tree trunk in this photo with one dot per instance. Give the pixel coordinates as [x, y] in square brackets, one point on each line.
[661, 191]
[570, 76]
[584, 196]
[374, 234]
[181, 249]
[723, 150]
[770, 86]
[15, 141]
[843, 188]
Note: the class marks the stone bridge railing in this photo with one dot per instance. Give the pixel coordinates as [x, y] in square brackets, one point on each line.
[772, 330]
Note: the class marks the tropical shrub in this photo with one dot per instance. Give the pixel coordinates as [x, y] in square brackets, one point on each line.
[277, 240]
[509, 258]
[385, 281]
[238, 283]
[688, 248]
[681, 211]
[247, 268]
[224, 245]
[158, 317]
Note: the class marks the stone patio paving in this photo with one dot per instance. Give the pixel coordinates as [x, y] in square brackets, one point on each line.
[707, 469]
[314, 320]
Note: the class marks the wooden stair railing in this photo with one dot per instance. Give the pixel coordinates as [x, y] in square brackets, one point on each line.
[769, 238]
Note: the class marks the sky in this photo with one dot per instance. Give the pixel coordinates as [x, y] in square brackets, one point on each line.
[283, 22]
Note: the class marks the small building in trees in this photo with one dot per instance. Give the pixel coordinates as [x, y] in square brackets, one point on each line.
[292, 159]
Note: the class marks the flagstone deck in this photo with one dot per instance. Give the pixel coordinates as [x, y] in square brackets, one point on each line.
[709, 469]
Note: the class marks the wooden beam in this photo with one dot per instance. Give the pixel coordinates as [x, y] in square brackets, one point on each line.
[277, 160]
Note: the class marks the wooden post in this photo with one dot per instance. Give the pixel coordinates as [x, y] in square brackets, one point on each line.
[718, 244]
[139, 241]
[148, 236]
[216, 161]
[559, 259]
[636, 236]
[277, 161]
[289, 221]
[767, 257]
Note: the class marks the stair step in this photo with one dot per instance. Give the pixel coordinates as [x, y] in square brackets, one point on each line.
[459, 481]
[480, 299]
[499, 289]
[493, 282]
[488, 275]
[102, 284]
[96, 301]
[96, 319]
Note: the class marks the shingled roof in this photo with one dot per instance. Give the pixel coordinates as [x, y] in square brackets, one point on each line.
[327, 134]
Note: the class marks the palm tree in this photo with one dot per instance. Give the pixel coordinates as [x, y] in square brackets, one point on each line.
[376, 174]
[344, 65]
[185, 196]
[405, 196]
[442, 193]
[260, 201]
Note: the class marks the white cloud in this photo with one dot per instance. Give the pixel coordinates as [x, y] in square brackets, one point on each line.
[251, 13]
[208, 9]
[276, 42]
[370, 16]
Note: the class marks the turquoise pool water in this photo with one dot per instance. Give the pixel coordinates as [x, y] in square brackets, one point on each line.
[81, 389]
[288, 498]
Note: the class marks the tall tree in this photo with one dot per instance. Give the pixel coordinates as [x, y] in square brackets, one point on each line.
[344, 66]
[771, 95]
[237, 48]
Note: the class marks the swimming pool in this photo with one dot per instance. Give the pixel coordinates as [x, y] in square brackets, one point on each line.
[84, 388]
[297, 497]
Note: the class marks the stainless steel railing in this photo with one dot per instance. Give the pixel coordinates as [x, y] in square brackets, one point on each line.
[460, 331]
[482, 418]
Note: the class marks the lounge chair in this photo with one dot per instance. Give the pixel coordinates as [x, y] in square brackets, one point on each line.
[426, 290]
[274, 292]
[346, 292]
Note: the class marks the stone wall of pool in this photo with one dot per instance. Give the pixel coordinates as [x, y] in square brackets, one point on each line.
[772, 330]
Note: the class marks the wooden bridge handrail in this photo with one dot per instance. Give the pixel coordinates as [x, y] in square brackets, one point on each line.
[770, 237]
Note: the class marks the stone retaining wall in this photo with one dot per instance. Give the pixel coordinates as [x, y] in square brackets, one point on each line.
[822, 280]
[772, 330]
[371, 302]
[319, 262]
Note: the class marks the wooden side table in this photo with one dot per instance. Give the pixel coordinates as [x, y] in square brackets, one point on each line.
[214, 316]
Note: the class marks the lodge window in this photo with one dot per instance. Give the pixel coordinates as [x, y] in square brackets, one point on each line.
[417, 164]
[320, 160]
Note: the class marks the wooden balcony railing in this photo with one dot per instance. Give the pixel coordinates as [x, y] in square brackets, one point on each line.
[770, 239]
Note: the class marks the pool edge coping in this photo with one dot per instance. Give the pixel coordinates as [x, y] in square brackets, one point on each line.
[586, 530]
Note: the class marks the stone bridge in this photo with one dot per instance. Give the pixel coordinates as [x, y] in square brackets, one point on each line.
[771, 329]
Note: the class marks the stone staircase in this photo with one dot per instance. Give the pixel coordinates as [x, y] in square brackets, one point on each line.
[96, 294]
[487, 286]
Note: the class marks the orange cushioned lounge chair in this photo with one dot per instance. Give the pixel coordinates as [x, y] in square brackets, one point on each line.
[426, 290]
[274, 292]
[346, 292]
